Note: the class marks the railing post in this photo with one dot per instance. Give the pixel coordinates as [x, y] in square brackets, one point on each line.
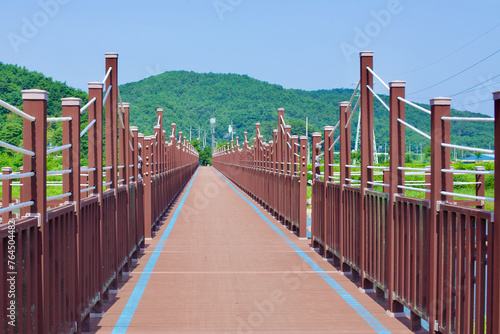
[125, 144]
[396, 177]
[496, 246]
[111, 118]
[440, 158]
[164, 148]
[95, 138]
[316, 138]
[303, 189]
[345, 172]
[71, 184]
[6, 194]
[147, 170]
[480, 186]
[366, 111]
[35, 188]
[287, 141]
[95, 143]
[327, 130]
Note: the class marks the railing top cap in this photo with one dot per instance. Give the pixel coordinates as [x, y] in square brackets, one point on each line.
[35, 94]
[140, 135]
[288, 126]
[496, 95]
[397, 84]
[441, 101]
[111, 55]
[303, 137]
[480, 168]
[134, 128]
[343, 104]
[328, 127]
[275, 130]
[295, 137]
[156, 127]
[316, 134]
[159, 109]
[98, 85]
[164, 131]
[173, 124]
[125, 105]
[257, 124]
[281, 109]
[366, 54]
[71, 101]
[6, 169]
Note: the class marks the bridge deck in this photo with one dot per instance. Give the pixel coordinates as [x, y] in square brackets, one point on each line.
[224, 269]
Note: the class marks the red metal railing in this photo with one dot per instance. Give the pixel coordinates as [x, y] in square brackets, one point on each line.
[273, 174]
[436, 256]
[21, 276]
[68, 259]
[465, 284]
[411, 253]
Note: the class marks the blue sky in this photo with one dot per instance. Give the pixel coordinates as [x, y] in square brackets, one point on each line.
[298, 44]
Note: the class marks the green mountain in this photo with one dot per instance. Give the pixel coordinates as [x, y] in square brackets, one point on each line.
[190, 99]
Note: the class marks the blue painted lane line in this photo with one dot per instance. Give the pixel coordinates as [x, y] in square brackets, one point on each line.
[350, 300]
[134, 299]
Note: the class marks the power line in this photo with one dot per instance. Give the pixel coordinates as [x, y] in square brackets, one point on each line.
[479, 84]
[469, 104]
[456, 74]
[452, 53]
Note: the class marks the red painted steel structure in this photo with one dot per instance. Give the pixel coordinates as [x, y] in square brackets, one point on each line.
[436, 256]
[66, 260]
[274, 173]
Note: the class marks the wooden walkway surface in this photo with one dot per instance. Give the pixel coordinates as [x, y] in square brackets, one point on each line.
[221, 265]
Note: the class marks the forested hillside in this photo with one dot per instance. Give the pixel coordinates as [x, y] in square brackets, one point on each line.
[13, 79]
[189, 99]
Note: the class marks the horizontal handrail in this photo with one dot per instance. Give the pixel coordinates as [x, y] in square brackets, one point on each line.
[84, 131]
[414, 128]
[467, 171]
[378, 97]
[85, 107]
[58, 148]
[16, 206]
[16, 149]
[59, 119]
[376, 76]
[467, 148]
[87, 189]
[469, 119]
[106, 96]
[58, 172]
[107, 75]
[414, 105]
[352, 113]
[15, 176]
[481, 198]
[51, 198]
[415, 189]
[17, 111]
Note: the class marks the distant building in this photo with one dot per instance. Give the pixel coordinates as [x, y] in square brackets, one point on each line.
[475, 159]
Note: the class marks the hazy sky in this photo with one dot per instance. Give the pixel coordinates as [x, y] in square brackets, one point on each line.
[298, 44]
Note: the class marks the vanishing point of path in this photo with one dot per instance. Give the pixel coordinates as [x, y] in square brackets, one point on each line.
[221, 264]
